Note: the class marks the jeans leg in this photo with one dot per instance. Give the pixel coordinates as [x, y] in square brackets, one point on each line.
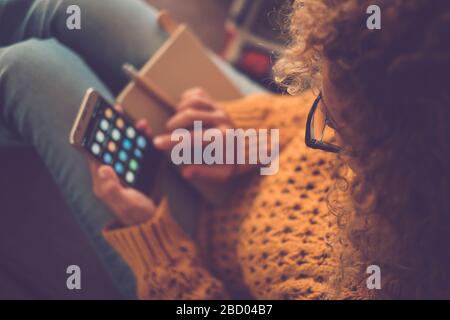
[112, 32]
[41, 86]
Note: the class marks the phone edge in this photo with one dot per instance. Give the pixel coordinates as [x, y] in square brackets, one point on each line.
[90, 93]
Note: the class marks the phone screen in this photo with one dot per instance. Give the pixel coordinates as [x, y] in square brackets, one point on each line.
[112, 138]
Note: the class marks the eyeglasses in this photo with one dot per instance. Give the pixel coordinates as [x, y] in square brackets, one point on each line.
[320, 132]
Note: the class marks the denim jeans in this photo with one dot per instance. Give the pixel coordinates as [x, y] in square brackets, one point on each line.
[45, 70]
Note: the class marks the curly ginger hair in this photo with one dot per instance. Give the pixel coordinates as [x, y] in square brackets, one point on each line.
[395, 129]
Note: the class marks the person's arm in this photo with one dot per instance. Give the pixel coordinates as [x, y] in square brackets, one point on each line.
[162, 257]
[164, 260]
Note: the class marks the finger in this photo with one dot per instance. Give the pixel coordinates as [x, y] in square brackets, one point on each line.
[142, 125]
[196, 102]
[93, 167]
[186, 118]
[196, 91]
[129, 205]
[107, 181]
[213, 172]
[118, 108]
[166, 142]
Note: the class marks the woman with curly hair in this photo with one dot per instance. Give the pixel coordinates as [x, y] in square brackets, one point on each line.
[369, 187]
[388, 93]
[383, 110]
[380, 123]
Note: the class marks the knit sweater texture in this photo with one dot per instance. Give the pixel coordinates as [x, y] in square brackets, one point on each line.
[270, 241]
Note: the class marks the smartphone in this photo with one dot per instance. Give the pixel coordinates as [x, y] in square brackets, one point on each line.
[111, 138]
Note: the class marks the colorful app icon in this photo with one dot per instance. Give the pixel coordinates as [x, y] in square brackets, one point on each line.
[100, 136]
[134, 165]
[107, 158]
[104, 125]
[119, 168]
[141, 142]
[95, 148]
[131, 133]
[112, 147]
[115, 134]
[108, 113]
[130, 177]
[123, 156]
[120, 123]
[138, 153]
[126, 144]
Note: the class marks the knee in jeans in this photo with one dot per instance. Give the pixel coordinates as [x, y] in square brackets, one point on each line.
[27, 56]
[41, 70]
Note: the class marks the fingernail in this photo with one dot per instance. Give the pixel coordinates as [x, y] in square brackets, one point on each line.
[102, 173]
[158, 140]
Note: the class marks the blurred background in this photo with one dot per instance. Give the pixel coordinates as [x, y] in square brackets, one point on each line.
[247, 33]
[244, 32]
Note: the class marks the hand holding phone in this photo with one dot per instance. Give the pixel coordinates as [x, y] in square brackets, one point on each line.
[130, 206]
[111, 138]
[121, 156]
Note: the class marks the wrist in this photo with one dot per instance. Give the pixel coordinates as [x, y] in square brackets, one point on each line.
[130, 219]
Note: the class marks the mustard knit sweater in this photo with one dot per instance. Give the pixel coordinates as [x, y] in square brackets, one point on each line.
[268, 242]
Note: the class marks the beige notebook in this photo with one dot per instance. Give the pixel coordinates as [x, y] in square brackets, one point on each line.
[180, 64]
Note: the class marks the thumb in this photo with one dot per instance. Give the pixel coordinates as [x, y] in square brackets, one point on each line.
[106, 173]
[109, 188]
[129, 205]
